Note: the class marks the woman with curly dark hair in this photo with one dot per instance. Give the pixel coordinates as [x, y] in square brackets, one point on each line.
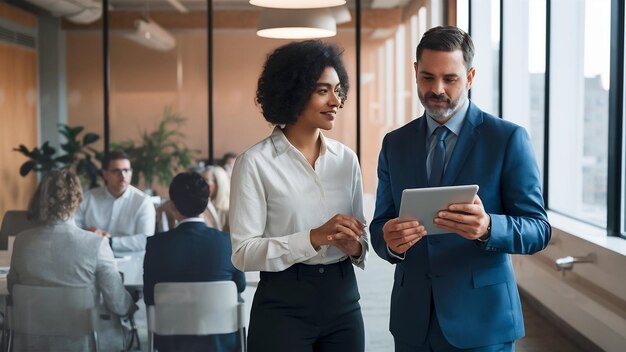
[296, 209]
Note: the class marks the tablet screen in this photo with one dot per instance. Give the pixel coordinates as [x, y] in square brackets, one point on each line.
[422, 204]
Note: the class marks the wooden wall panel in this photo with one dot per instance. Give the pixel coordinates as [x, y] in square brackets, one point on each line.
[18, 123]
[18, 15]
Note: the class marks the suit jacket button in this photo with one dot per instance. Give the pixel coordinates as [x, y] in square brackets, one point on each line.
[321, 270]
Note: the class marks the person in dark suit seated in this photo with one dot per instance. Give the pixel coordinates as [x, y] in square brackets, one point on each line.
[191, 252]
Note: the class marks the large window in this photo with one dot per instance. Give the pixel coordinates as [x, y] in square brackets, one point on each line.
[579, 84]
[524, 68]
[618, 59]
[485, 32]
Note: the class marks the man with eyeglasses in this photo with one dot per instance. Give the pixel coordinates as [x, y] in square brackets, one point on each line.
[117, 210]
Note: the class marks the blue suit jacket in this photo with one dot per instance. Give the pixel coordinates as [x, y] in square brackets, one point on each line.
[473, 284]
[191, 252]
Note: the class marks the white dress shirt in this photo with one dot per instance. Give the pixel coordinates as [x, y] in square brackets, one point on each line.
[129, 219]
[277, 198]
[191, 219]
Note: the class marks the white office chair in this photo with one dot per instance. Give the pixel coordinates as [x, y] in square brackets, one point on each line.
[53, 311]
[196, 308]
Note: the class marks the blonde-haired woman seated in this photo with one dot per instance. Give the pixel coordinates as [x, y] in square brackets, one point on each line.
[58, 253]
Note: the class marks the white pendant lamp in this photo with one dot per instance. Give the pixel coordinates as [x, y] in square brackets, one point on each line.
[296, 24]
[341, 14]
[149, 34]
[297, 4]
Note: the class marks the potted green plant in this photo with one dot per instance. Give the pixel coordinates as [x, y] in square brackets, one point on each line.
[79, 155]
[159, 154]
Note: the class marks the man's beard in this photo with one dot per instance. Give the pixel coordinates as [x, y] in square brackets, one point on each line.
[442, 113]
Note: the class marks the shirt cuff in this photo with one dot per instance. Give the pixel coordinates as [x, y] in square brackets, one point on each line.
[360, 260]
[300, 245]
[395, 255]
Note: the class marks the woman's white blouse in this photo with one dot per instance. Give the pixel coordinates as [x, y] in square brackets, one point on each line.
[277, 198]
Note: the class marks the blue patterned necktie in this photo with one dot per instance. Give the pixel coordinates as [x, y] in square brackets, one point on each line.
[438, 159]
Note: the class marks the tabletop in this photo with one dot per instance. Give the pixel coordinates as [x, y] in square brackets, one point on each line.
[130, 264]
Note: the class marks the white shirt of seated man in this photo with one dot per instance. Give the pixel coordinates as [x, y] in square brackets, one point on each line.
[118, 210]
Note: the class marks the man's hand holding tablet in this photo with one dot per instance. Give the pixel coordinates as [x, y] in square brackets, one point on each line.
[425, 204]
[436, 210]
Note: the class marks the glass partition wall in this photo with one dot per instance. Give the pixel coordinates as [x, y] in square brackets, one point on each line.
[157, 68]
[160, 87]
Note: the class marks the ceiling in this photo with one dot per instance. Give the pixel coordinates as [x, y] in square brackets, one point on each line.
[200, 5]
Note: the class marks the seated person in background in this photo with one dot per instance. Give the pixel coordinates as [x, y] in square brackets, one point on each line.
[216, 213]
[58, 253]
[228, 161]
[219, 184]
[117, 210]
[191, 252]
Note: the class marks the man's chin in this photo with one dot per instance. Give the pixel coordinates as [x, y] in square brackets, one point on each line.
[439, 114]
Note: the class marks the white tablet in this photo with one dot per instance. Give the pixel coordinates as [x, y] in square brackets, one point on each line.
[422, 204]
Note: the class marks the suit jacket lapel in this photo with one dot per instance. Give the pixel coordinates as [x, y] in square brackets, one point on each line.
[466, 140]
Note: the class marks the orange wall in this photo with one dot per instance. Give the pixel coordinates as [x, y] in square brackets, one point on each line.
[18, 114]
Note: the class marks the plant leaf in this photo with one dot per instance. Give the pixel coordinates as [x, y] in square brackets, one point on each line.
[27, 167]
[22, 149]
[89, 138]
[46, 149]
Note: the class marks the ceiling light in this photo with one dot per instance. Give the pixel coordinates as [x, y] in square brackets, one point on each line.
[86, 16]
[178, 6]
[297, 4]
[341, 14]
[150, 34]
[296, 24]
[77, 11]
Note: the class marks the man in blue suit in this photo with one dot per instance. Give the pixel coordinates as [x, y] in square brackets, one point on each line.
[190, 252]
[457, 291]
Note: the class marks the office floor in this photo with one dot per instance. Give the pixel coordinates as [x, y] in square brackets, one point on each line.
[542, 335]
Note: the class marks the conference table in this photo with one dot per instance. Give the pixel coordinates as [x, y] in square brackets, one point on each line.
[129, 264]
